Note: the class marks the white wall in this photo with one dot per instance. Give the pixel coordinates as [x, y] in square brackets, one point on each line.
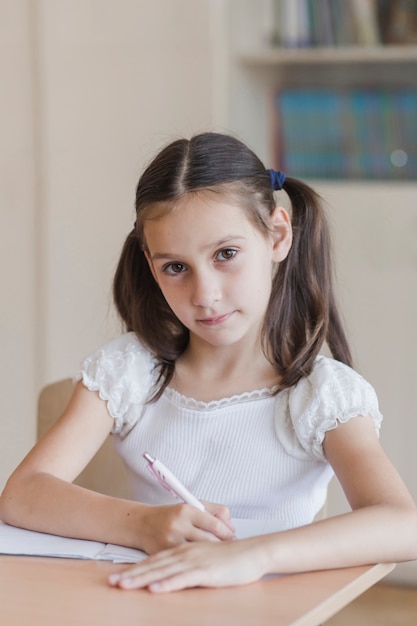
[18, 238]
[90, 90]
[375, 227]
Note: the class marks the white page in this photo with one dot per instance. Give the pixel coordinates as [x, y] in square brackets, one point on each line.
[120, 554]
[20, 541]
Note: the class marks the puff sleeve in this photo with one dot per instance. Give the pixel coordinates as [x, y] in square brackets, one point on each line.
[333, 393]
[122, 373]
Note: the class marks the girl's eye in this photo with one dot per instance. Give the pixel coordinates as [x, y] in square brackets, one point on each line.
[226, 254]
[174, 268]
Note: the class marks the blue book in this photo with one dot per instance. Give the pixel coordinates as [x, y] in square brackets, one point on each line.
[361, 133]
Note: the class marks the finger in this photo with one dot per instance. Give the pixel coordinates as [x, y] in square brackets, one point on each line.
[145, 574]
[160, 559]
[191, 524]
[212, 524]
[219, 510]
[182, 580]
[229, 525]
[184, 523]
[179, 576]
[197, 534]
[222, 512]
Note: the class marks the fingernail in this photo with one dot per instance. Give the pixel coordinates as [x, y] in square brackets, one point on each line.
[114, 578]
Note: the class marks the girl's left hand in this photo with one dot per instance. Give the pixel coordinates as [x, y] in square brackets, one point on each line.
[197, 564]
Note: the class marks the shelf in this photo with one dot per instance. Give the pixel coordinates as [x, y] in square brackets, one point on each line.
[260, 71]
[329, 55]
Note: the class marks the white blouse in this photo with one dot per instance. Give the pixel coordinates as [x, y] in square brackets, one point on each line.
[259, 453]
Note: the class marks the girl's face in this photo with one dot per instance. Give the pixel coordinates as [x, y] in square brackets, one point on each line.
[214, 267]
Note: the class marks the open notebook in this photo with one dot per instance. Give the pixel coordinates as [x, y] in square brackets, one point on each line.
[27, 542]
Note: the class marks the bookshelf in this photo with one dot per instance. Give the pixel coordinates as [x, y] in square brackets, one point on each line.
[259, 69]
[377, 55]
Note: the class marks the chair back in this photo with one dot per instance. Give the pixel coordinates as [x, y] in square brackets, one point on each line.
[105, 472]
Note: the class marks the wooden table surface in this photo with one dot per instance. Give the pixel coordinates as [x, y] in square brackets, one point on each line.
[67, 592]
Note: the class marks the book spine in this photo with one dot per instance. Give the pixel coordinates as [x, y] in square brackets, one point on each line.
[366, 23]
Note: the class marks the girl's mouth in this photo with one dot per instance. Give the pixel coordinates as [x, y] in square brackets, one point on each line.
[215, 321]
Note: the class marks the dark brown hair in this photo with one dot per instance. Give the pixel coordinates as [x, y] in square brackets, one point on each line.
[302, 313]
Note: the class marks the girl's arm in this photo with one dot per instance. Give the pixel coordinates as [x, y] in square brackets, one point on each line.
[381, 528]
[40, 495]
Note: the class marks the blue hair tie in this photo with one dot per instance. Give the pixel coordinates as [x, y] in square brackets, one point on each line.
[277, 179]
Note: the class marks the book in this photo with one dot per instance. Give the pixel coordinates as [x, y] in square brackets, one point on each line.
[292, 27]
[401, 18]
[366, 22]
[308, 23]
[321, 22]
[20, 541]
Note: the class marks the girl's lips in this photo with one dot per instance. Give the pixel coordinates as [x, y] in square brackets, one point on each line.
[214, 321]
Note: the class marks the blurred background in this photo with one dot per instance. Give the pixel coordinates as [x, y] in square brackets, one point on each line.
[91, 89]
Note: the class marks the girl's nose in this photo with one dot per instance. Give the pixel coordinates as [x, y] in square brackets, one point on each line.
[206, 291]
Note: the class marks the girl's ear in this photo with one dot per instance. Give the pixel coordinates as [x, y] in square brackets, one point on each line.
[281, 234]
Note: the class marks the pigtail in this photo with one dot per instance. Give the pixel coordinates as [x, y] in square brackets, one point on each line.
[302, 314]
[336, 337]
[144, 310]
[128, 274]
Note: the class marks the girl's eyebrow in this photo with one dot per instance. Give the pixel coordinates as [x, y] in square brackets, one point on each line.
[215, 244]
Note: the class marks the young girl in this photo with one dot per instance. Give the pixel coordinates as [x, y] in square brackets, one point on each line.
[227, 302]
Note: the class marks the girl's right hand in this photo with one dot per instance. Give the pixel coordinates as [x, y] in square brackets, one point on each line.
[163, 527]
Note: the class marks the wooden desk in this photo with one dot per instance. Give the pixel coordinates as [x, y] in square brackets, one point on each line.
[45, 591]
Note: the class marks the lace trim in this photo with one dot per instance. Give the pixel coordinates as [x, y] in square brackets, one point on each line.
[103, 394]
[191, 403]
[332, 422]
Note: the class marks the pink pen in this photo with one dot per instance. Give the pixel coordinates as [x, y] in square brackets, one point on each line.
[169, 482]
